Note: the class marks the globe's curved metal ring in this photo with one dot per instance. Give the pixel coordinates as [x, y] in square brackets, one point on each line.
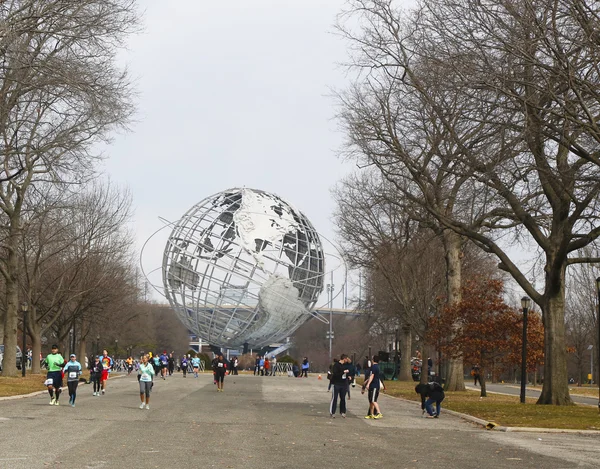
[243, 267]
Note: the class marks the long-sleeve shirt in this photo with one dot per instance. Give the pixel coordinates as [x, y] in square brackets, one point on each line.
[146, 372]
[55, 362]
[337, 373]
[72, 370]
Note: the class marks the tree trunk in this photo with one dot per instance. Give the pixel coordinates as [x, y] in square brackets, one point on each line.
[11, 319]
[482, 372]
[82, 353]
[555, 390]
[2, 317]
[35, 332]
[405, 368]
[455, 380]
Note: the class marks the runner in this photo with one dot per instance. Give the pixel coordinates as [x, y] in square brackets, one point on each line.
[164, 364]
[107, 364]
[171, 364]
[373, 385]
[145, 374]
[155, 362]
[195, 365]
[129, 362]
[54, 362]
[219, 369]
[96, 375]
[184, 365]
[72, 371]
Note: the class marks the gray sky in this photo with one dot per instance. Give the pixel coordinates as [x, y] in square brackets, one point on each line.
[232, 94]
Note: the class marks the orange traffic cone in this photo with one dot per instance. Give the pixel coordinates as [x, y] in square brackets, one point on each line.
[319, 377]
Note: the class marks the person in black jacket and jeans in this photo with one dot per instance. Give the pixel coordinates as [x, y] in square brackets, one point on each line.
[339, 381]
[435, 393]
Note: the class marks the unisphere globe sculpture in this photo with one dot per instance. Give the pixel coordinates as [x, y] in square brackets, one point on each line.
[243, 266]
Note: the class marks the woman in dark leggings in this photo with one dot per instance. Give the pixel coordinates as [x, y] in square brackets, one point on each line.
[219, 368]
[95, 374]
[72, 371]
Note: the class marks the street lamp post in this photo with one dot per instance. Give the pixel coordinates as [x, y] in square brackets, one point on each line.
[591, 349]
[97, 352]
[116, 347]
[330, 288]
[24, 350]
[598, 344]
[525, 304]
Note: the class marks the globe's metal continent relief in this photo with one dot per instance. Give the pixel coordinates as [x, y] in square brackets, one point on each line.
[243, 266]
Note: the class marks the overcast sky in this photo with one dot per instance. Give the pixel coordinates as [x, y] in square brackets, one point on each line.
[232, 93]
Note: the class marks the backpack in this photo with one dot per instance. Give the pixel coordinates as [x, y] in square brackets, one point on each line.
[433, 387]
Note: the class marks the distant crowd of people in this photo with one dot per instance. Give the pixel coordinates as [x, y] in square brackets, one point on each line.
[341, 376]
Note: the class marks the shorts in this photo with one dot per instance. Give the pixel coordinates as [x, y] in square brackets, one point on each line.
[56, 377]
[219, 376]
[145, 387]
[373, 394]
[104, 375]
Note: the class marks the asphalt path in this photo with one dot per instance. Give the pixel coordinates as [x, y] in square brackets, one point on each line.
[515, 390]
[260, 422]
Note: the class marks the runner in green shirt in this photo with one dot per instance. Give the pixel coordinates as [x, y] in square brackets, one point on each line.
[54, 362]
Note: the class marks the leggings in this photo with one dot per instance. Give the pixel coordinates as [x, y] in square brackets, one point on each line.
[304, 373]
[96, 380]
[72, 385]
[145, 388]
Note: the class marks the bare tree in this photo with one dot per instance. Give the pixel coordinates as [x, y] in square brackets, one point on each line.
[581, 314]
[378, 233]
[61, 92]
[76, 258]
[491, 78]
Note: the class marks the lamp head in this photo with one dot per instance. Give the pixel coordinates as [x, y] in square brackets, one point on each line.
[525, 302]
[24, 306]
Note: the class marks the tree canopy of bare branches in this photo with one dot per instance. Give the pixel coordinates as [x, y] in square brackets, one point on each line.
[501, 97]
[61, 93]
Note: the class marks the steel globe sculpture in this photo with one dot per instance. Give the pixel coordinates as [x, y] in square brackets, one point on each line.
[243, 266]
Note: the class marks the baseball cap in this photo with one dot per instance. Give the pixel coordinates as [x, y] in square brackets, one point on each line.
[54, 346]
[72, 355]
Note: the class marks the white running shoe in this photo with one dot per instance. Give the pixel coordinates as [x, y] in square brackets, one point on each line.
[147, 406]
[52, 401]
[103, 391]
[142, 405]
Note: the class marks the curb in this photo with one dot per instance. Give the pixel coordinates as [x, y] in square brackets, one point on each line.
[493, 426]
[38, 393]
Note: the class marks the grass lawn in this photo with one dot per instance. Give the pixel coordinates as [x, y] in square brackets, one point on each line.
[31, 383]
[584, 391]
[20, 385]
[507, 410]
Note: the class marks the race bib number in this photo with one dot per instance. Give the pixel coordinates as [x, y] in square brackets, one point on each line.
[145, 376]
[72, 374]
[220, 365]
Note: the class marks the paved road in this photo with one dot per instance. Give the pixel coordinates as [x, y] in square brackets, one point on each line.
[259, 422]
[515, 390]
